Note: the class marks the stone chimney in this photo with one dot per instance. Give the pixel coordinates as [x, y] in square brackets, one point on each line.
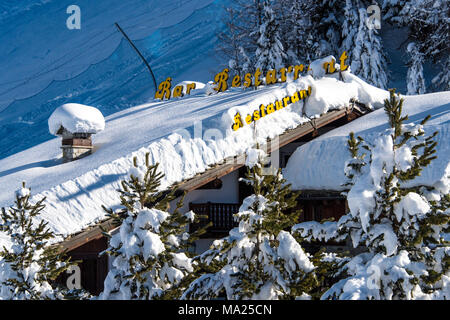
[76, 123]
[75, 145]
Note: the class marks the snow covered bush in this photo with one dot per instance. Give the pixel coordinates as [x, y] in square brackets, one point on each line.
[150, 258]
[29, 268]
[258, 259]
[400, 225]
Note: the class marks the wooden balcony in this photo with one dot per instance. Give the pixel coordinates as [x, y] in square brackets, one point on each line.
[220, 214]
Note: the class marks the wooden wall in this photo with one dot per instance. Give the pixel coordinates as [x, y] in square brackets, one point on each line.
[93, 268]
[321, 209]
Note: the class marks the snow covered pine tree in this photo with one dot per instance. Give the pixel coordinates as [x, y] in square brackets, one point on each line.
[427, 21]
[363, 44]
[28, 269]
[270, 52]
[400, 224]
[238, 42]
[150, 251]
[297, 25]
[414, 78]
[320, 27]
[259, 259]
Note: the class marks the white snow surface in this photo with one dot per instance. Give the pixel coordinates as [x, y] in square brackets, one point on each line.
[76, 118]
[319, 164]
[23, 192]
[368, 273]
[186, 136]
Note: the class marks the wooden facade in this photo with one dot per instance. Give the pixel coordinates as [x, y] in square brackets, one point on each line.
[220, 214]
[321, 205]
[75, 145]
[94, 268]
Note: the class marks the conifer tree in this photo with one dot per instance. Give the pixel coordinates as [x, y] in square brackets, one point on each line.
[258, 259]
[270, 52]
[427, 21]
[150, 250]
[414, 78]
[246, 62]
[238, 42]
[30, 267]
[231, 42]
[399, 223]
[442, 79]
[284, 20]
[324, 27]
[363, 44]
[391, 9]
[300, 38]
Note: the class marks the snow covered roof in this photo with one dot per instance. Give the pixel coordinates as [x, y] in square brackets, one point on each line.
[186, 136]
[319, 164]
[76, 118]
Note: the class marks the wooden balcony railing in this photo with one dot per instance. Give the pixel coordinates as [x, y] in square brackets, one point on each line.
[220, 214]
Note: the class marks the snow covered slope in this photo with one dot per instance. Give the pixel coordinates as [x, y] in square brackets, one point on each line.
[44, 64]
[75, 191]
[322, 160]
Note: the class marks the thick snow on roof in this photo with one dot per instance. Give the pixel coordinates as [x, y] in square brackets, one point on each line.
[76, 118]
[319, 164]
[76, 190]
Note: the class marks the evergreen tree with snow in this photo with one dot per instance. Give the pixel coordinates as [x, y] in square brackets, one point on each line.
[150, 258]
[246, 62]
[231, 43]
[428, 24]
[30, 267]
[414, 79]
[363, 44]
[238, 42]
[324, 27]
[270, 52]
[442, 79]
[299, 37]
[258, 259]
[399, 223]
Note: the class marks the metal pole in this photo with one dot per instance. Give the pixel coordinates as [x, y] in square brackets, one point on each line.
[138, 52]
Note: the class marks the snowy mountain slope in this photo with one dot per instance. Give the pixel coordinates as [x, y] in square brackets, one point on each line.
[75, 191]
[45, 64]
[323, 159]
